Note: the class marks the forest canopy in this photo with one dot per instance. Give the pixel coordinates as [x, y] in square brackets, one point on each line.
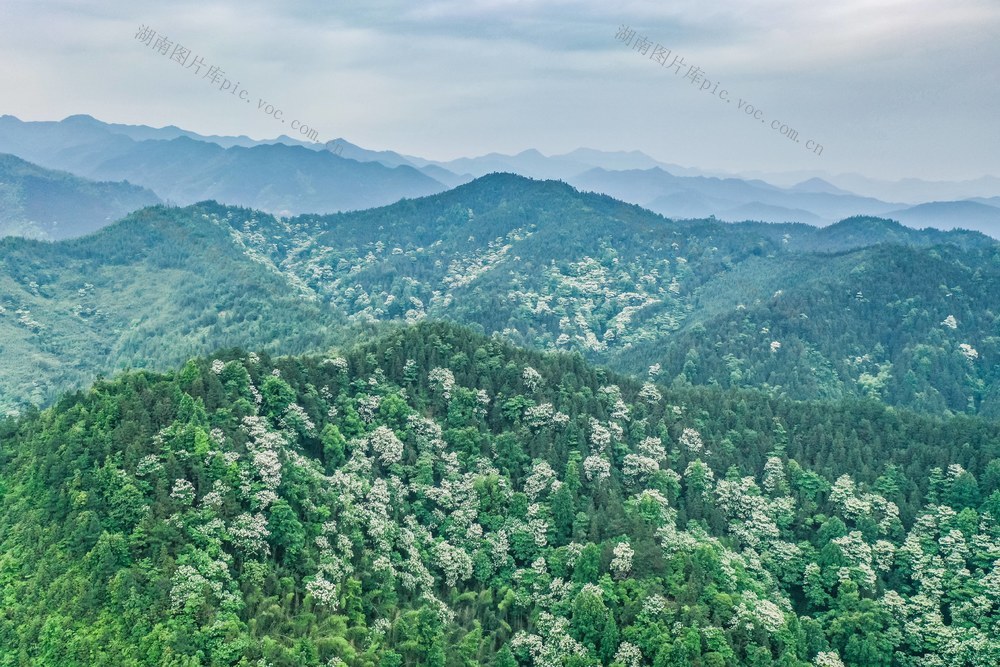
[436, 497]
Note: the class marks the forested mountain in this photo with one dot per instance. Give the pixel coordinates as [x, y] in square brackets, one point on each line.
[862, 308]
[45, 204]
[147, 292]
[434, 497]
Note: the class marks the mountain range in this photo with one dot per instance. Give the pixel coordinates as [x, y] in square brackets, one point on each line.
[285, 176]
[278, 177]
[510, 423]
[865, 307]
[46, 204]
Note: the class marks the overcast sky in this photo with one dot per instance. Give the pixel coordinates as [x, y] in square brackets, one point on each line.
[889, 88]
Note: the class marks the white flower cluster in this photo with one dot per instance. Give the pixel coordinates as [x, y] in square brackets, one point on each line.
[751, 515]
[187, 585]
[218, 366]
[386, 444]
[655, 499]
[869, 505]
[183, 491]
[148, 465]
[263, 499]
[295, 417]
[428, 431]
[367, 407]
[600, 437]
[214, 498]
[621, 564]
[653, 605]
[442, 380]
[190, 584]
[498, 547]
[268, 467]
[700, 471]
[532, 378]
[650, 393]
[482, 397]
[249, 532]
[336, 362]
[968, 351]
[774, 475]
[753, 611]
[552, 646]
[858, 553]
[376, 515]
[628, 655]
[610, 392]
[638, 468]
[455, 563]
[652, 448]
[620, 410]
[828, 659]
[324, 592]
[539, 529]
[542, 475]
[596, 467]
[691, 440]
[540, 416]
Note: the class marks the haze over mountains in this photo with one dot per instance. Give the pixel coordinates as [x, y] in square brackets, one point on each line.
[46, 204]
[287, 177]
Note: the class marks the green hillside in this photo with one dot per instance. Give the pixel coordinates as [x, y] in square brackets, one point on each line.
[148, 292]
[438, 498]
[865, 308]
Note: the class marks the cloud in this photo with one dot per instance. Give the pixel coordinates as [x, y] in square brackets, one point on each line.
[886, 84]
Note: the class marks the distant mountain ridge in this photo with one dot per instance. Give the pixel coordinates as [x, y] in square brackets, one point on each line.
[287, 176]
[46, 204]
[184, 168]
[974, 215]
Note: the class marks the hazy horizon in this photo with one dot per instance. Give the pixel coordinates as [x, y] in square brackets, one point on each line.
[889, 90]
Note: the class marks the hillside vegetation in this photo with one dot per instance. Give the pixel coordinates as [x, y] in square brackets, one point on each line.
[865, 308]
[435, 497]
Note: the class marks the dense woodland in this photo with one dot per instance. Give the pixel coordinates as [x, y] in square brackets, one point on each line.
[861, 309]
[436, 497]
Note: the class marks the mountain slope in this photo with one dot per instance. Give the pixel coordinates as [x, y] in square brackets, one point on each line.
[45, 204]
[545, 266]
[554, 269]
[150, 291]
[439, 498]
